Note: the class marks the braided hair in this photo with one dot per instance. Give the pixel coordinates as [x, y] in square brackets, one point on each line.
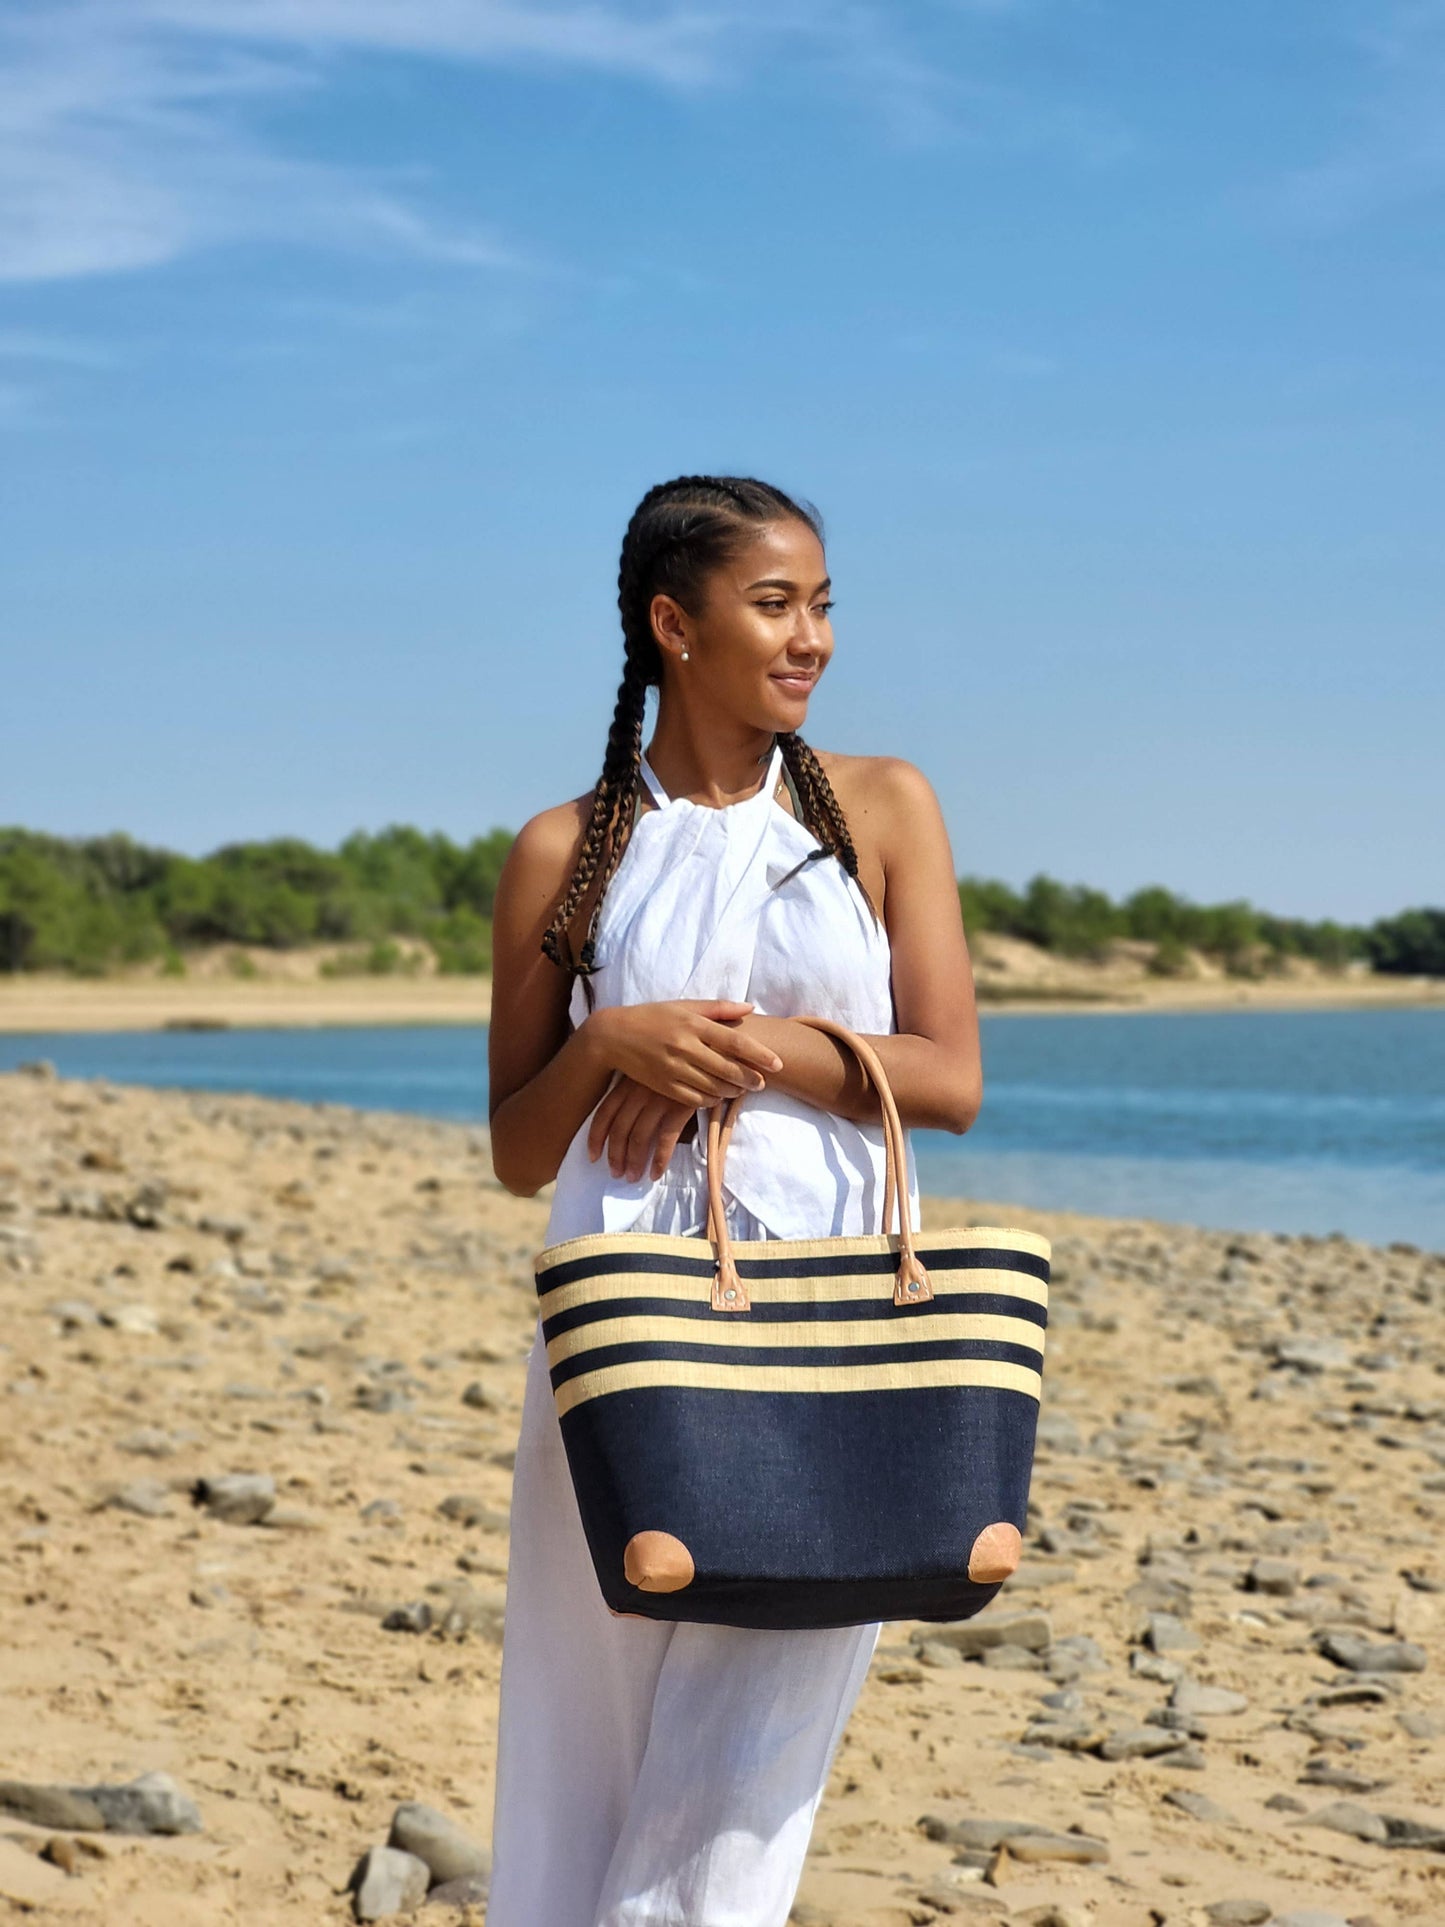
[679, 533]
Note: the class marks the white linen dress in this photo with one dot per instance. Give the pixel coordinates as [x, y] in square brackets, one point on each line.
[667, 1775]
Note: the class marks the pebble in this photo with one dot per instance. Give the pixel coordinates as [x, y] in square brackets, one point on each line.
[1278, 1577]
[240, 1498]
[1345, 1816]
[1199, 1806]
[1195, 1701]
[1360, 1655]
[1166, 1633]
[971, 1637]
[1138, 1743]
[1238, 1913]
[386, 1881]
[415, 1617]
[471, 1891]
[449, 1853]
[147, 1498]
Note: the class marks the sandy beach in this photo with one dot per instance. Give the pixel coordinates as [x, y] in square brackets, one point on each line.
[1216, 1682]
[288, 989]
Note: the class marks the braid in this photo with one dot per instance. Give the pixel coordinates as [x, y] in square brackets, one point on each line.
[822, 812]
[678, 534]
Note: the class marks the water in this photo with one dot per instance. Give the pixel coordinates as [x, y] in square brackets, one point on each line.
[1262, 1120]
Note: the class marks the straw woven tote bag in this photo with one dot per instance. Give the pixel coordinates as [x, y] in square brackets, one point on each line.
[799, 1432]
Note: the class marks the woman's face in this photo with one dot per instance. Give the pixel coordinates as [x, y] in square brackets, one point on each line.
[762, 638]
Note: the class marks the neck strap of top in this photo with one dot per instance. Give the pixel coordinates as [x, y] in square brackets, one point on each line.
[647, 776]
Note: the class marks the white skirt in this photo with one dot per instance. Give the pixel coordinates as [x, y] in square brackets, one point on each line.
[649, 1774]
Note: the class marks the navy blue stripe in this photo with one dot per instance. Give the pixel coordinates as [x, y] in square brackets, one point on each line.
[835, 1265]
[800, 1356]
[993, 1304]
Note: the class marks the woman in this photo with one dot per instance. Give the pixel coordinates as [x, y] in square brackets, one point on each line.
[653, 941]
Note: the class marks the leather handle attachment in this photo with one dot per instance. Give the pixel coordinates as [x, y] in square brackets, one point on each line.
[911, 1285]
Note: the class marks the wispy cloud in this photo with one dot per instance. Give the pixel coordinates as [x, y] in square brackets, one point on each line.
[135, 132]
[1393, 151]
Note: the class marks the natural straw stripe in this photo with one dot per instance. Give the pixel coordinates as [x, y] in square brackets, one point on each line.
[693, 1375]
[601, 1286]
[812, 1334]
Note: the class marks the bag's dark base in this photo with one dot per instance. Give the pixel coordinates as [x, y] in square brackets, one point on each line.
[852, 1534]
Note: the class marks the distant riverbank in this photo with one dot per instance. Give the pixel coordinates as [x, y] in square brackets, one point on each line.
[288, 990]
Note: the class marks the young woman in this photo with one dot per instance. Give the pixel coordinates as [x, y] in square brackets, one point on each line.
[653, 941]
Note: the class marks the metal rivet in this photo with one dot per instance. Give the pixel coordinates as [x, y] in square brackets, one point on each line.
[913, 1284]
[729, 1293]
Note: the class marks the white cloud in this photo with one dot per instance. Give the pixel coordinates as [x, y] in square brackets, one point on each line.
[128, 133]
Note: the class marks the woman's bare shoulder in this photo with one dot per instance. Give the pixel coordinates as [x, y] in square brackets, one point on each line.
[545, 850]
[883, 786]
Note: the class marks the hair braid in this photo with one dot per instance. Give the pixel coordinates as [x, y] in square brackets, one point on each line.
[678, 534]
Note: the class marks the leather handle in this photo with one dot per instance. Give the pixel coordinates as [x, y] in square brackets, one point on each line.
[911, 1285]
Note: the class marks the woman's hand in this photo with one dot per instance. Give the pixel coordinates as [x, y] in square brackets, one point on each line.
[689, 1050]
[634, 1124]
[671, 1059]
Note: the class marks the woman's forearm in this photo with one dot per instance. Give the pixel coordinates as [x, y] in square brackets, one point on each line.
[532, 1128]
[935, 1087]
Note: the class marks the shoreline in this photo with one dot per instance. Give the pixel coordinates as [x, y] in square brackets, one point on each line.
[52, 1003]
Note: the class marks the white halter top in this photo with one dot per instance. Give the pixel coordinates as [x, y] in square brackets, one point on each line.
[727, 903]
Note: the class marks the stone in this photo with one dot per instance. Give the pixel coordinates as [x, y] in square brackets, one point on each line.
[1308, 1917]
[1166, 1633]
[970, 1637]
[1360, 1655]
[415, 1617]
[449, 1853]
[1150, 1666]
[1312, 1354]
[465, 1508]
[1199, 1806]
[386, 1881]
[1238, 1913]
[1423, 1726]
[1322, 1771]
[1414, 1833]
[470, 1891]
[974, 1833]
[1010, 1658]
[147, 1498]
[50, 1806]
[1137, 1743]
[1196, 1701]
[1278, 1577]
[153, 1803]
[933, 1652]
[239, 1498]
[1077, 1849]
[1346, 1816]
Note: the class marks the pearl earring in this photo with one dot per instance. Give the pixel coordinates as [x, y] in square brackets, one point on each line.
[684, 655]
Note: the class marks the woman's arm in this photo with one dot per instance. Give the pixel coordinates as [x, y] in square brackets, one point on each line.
[933, 1060]
[546, 1077]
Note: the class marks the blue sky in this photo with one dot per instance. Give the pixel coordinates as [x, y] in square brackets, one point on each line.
[339, 337]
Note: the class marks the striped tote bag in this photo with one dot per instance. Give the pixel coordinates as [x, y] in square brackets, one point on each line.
[799, 1432]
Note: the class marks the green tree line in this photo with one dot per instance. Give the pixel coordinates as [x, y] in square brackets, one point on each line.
[89, 904]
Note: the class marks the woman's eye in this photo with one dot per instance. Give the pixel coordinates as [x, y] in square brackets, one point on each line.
[826, 608]
[772, 607]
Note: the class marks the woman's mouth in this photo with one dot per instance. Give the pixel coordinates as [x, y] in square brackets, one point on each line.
[797, 682]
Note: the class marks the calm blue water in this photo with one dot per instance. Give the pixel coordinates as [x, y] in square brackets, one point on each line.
[1289, 1121]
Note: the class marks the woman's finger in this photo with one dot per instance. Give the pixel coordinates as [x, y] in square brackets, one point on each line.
[743, 1049]
[602, 1117]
